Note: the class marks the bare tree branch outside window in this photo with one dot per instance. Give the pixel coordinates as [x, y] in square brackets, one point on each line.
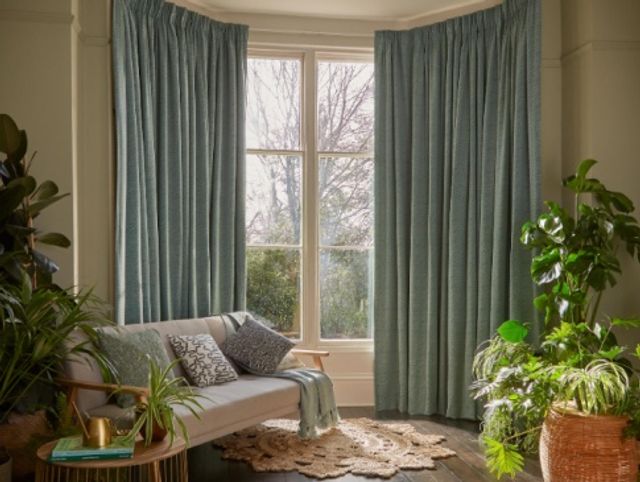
[345, 176]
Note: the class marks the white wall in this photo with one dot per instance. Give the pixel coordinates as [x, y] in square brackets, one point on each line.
[601, 110]
[55, 83]
[36, 90]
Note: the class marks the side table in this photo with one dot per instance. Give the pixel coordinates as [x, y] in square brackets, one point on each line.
[158, 462]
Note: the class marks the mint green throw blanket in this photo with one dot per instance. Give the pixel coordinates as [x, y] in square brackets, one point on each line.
[317, 404]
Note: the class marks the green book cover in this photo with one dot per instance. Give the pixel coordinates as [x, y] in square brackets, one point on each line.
[71, 448]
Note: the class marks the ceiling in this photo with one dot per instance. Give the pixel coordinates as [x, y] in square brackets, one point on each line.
[361, 9]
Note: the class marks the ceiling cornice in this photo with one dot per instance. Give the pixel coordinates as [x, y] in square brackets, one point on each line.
[269, 22]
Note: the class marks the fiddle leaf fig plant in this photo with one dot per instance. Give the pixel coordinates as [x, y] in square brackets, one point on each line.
[579, 363]
[22, 200]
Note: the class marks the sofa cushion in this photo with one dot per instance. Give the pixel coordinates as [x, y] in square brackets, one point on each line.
[128, 354]
[228, 405]
[201, 358]
[290, 362]
[256, 347]
[227, 408]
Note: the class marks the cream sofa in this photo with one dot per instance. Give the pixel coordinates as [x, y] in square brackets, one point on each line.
[229, 407]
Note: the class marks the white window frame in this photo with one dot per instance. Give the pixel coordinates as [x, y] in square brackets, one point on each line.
[310, 238]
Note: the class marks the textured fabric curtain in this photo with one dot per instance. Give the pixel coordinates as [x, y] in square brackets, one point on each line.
[457, 173]
[179, 87]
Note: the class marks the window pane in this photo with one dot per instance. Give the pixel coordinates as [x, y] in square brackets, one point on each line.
[273, 103]
[273, 199]
[345, 107]
[273, 288]
[346, 201]
[344, 293]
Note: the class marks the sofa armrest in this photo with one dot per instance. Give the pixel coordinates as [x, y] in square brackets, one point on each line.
[140, 393]
[316, 355]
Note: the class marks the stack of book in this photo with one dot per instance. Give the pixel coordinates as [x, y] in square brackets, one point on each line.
[70, 449]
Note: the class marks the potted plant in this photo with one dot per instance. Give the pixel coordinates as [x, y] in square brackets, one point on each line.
[154, 412]
[576, 395]
[36, 316]
[34, 329]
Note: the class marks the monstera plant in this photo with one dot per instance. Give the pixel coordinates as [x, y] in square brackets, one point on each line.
[579, 372]
[22, 200]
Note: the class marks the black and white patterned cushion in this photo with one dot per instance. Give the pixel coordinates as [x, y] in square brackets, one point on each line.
[203, 361]
[257, 348]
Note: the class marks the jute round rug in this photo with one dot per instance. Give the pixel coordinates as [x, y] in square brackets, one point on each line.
[359, 446]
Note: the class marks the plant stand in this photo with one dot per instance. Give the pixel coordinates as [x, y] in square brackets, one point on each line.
[157, 463]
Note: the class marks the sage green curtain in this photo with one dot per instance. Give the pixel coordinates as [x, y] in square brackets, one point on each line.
[456, 174]
[179, 88]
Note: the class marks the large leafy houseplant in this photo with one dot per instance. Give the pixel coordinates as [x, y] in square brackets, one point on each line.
[36, 316]
[579, 364]
[22, 200]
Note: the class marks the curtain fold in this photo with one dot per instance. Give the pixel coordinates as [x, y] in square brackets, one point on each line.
[456, 175]
[179, 93]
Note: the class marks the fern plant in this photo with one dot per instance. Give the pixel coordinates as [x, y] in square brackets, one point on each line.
[579, 364]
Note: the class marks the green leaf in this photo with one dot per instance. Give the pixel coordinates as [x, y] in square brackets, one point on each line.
[10, 199]
[45, 191]
[552, 226]
[36, 207]
[584, 168]
[541, 302]
[626, 322]
[28, 182]
[546, 267]
[12, 140]
[611, 354]
[621, 202]
[513, 331]
[54, 239]
[502, 458]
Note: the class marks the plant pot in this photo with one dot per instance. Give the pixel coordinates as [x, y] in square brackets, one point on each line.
[586, 448]
[5, 468]
[21, 436]
[158, 433]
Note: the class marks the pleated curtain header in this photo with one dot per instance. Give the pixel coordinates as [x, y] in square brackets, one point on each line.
[510, 12]
[169, 13]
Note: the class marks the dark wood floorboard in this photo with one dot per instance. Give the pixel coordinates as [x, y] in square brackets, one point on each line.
[206, 464]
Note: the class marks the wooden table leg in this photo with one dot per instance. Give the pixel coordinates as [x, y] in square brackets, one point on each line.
[154, 471]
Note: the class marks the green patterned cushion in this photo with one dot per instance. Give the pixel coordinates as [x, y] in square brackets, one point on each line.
[127, 353]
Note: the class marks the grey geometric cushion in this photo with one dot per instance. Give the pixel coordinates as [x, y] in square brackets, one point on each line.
[203, 361]
[127, 353]
[257, 348]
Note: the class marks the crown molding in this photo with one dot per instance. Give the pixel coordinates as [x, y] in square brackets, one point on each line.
[443, 14]
[341, 25]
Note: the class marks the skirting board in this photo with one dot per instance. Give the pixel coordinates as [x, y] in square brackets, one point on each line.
[353, 389]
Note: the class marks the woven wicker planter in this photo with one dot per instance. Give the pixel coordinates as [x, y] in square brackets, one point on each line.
[581, 448]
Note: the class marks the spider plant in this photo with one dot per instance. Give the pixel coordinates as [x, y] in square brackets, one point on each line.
[155, 417]
[579, 364]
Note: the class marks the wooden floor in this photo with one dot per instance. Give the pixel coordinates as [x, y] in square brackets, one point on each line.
[205, 463]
